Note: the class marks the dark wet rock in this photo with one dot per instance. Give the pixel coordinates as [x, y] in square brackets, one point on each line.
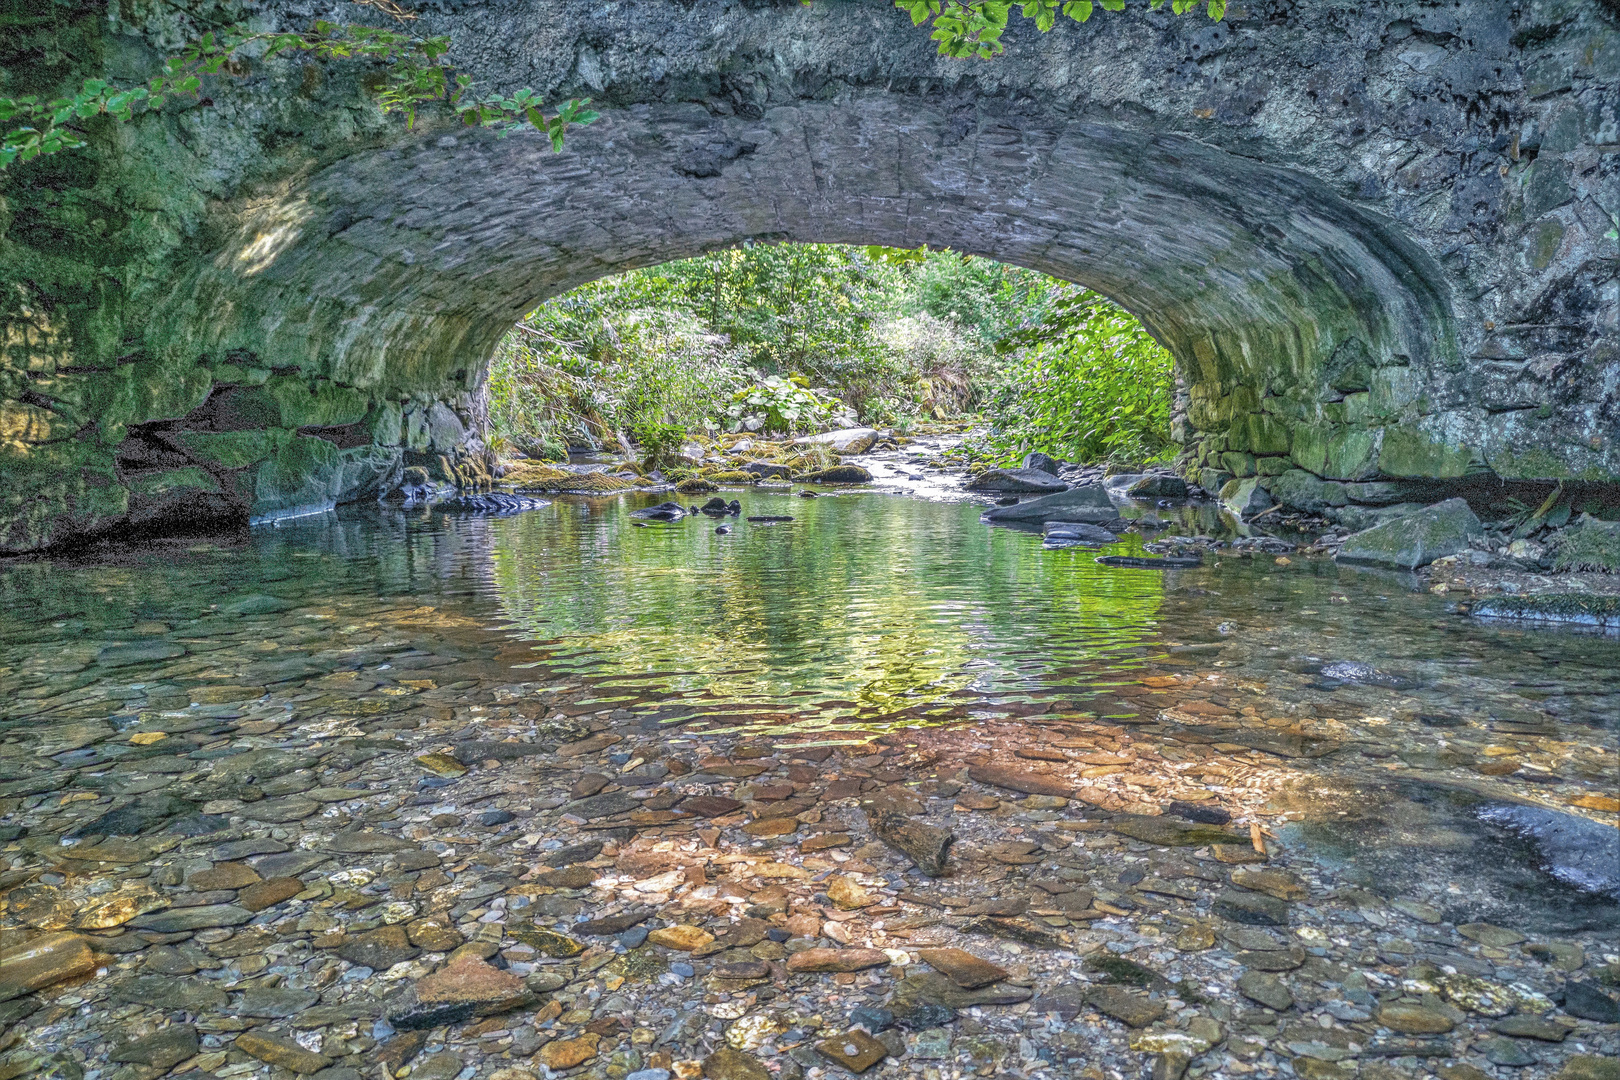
[1268, 990]
[854, 1050]
[1042, 462]
[1588, 1001]
[464, 988]
[281, 1051]
[163, 1049]
[1014, 929]
[1272, 959]
[1414, 540]
[664, 511]
[1167, 833]
[205, 917]
[1168, 562]
[1130, 1007]
[1507, 1053]
[709, 805]
[927, 846]
[1061, 534]
[767, 470]
[1157, 485]
[162, 992]
[1251, 908]
[1202, 813]
[1087, 502]
[1570, 608]
[1021, 480]
[1065, 999]
[274, 1002]
[1412, 1018]
[379, 949]
[1573, 849]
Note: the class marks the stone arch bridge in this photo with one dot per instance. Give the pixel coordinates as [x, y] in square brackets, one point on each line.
[1379, 239]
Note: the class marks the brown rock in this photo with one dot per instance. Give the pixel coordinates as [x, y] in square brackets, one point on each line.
[467, 981]
[771, 827]
[263, 894]
[1271, 882]
[594, 744]
[855, 1050]
[709, 805]
[566, 1053]
[962, 967]
[836, 960]
[42, 962]
[379, 949]
[1412, 1019]
[728, 1064]
[1024, 780]
[823, 841]
[681, 938]
[276, 1050]
[434, 935]
[849, 895]
[225, 875]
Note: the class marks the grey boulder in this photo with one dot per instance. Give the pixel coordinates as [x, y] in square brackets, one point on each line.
[1414, 540]
[1016, 480]
[1088, 502]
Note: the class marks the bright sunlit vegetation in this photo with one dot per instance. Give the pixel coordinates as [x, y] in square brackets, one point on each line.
[803, 337]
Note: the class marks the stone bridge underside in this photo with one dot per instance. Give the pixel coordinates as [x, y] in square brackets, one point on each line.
[1374, 241]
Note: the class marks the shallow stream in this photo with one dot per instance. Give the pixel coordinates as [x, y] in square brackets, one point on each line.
[867, 612]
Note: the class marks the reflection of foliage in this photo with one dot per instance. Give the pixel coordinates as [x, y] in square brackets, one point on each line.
[1088, 385]
[889, 605]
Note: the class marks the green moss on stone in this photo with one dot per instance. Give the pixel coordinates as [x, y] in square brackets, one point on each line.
[1533, 463]
[1411, 453]
[170, 481]
[232, 449]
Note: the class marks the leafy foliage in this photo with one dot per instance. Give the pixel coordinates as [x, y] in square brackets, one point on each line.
[798, 337]
[1089, 385]
[659, 443]
[417, 73]
[781, 406]
[966, 28]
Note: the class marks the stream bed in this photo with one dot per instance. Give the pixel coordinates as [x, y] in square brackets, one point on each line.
[263, 794]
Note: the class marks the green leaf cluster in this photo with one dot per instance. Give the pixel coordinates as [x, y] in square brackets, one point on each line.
[969, 28]
[1089, 384]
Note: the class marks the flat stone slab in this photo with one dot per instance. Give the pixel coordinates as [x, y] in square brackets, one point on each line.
[837, 960]
[175, 920]
[962, 967]
[1024, 780]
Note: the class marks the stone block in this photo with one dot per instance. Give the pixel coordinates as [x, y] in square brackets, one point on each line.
[232, 449]
[1272, 466]
[1304, 491]
[1417, 539]
[1238, 464]
[1410, 453]
[1246, 497]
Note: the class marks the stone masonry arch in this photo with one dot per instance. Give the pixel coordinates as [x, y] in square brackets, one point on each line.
[1374, 242]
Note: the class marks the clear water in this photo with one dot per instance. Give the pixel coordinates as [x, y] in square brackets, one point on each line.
[867, 612]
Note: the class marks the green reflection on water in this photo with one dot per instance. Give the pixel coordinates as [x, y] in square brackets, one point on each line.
[863, 606]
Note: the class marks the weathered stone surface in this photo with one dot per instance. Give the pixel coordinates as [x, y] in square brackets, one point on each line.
[1087, 502]
[1372, 355]
[1018, 480]
[192, 918]
[282, 1051]
[43, 962]
[162, 1049]
[837, 960]
[962, 967]
[1415, 540]
[380, 948]
[727, 1063]
[1025, 780]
